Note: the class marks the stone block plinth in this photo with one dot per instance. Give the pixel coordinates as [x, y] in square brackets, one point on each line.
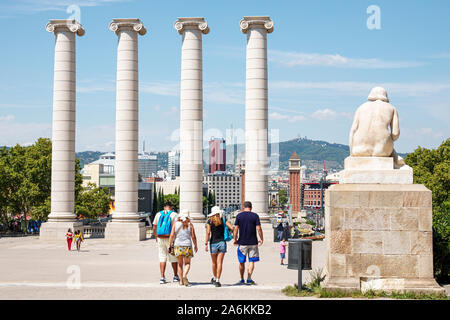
[379, 236]
[56, 230]
[125, 231]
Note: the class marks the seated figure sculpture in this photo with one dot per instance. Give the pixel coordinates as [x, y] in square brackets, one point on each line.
[375, 128]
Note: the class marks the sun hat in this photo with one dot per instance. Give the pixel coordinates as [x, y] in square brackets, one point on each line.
[215, 210]
[184, 215]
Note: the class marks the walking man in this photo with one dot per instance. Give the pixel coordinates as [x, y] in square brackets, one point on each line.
[246, 225]
[162, 227]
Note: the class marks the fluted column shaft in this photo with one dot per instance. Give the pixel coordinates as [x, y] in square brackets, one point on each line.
[191, 115]
[256, 110]
[63, 126]
[127, 120]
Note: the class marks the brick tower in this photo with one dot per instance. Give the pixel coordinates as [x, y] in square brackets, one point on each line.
[294, 181]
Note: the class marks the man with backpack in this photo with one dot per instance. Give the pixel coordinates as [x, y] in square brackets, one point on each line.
[162, 226]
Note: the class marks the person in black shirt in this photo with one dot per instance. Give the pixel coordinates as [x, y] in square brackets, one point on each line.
[218, 246]
[247, 224]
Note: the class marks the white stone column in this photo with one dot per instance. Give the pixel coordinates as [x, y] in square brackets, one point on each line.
[125, 223]
[62, 214]
[191, 115]
[256, 109]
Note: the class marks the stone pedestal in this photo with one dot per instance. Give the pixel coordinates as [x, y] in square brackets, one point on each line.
[125, 231]
[56, 230]
[374, 170]
[379, 236]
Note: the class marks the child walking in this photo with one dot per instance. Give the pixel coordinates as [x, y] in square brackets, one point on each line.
[69, 237]
[283, 246]
[78, 239]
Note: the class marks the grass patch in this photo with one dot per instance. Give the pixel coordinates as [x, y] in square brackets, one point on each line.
[320, 292]
[314, 289]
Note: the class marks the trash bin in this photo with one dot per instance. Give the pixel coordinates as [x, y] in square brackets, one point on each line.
[300, 249]
[299, 257]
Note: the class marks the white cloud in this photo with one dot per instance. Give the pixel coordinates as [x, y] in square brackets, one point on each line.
[36, 6]
[292, 59]
[13, 132]
[163, 88]
[328, 114]
[444, 55]
[9, 117]
[430, 132]
[363, 88]
[278, 116]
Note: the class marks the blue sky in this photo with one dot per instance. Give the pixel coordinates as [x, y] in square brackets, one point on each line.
[323, 60]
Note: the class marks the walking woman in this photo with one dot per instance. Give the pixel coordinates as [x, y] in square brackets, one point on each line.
[181, 239]
[78, 239]
[215, 227]
[69, 237]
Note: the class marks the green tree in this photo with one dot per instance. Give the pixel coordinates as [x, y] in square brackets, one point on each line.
[30, 182]
[432, 168]
[5, 181]
[92, 202]
[160, 199]
[282, 196]
[174, 199]
[205, 204]
[155, 201]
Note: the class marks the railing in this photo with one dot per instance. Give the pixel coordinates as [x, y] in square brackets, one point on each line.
[96, 231]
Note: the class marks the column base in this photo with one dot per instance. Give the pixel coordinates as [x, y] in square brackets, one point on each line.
[386, 284]
[264, 218]
[56, 230]
[125, 231]
[197, 218]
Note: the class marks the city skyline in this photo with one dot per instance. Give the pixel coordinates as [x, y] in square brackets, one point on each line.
[323, 60]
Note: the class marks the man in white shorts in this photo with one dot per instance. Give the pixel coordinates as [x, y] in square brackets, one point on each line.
[163, 242]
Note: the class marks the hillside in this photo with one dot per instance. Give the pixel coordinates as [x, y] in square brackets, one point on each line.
[88, 156]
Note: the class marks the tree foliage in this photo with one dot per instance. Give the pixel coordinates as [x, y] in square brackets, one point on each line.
[283, 198]
[25, 184]
[92, 202]
[432, 168]
[174, 199]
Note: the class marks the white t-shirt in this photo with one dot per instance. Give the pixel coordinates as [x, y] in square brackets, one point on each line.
[173, 216]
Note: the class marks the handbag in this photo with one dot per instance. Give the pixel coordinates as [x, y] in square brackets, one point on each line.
[226, 234]
[171, 249]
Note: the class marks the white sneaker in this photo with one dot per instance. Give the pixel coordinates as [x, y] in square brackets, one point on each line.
[162, 281]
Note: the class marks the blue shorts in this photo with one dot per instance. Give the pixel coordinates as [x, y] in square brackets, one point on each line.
[282, 255]
[219, 247]
[251, 251]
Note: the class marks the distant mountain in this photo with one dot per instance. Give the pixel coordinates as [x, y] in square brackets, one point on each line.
[88, 156]
[313, 154]
[313, 150]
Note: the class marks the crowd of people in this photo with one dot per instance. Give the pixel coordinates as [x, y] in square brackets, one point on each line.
[177, 242]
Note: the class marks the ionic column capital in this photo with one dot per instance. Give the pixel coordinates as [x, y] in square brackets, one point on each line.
[71, 25]
[133, 24]
[191, 23]
[262, 22]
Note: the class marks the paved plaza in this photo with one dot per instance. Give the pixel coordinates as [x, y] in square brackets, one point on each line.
[34, 269]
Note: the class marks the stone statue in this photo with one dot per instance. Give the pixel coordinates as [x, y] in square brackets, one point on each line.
[375, 128]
